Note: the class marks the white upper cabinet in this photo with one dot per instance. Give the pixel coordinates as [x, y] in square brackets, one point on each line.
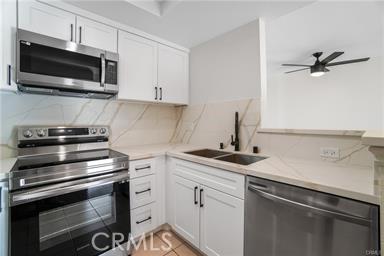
[8, 23]
[46, 20]
[43, 19]
[149, 71]
[137, 67]
[173, 79]
[96, 34]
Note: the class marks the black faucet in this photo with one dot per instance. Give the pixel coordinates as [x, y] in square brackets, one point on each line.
[236, 142]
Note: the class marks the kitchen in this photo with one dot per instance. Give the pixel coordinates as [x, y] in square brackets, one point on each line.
[182, 128]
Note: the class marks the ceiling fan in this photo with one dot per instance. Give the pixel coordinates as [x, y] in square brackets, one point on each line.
[320, 67]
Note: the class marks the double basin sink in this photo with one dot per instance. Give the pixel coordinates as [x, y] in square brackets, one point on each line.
[236, 158]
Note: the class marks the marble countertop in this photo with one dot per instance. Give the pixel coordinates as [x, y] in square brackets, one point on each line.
[348, 181]
[373, 138]
[6, 166]
[356, 182]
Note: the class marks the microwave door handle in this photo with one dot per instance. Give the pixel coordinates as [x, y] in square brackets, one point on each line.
[102, 80]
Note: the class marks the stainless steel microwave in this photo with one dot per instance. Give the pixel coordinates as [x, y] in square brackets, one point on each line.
[48, 65]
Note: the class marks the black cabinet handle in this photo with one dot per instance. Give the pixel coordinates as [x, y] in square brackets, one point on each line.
[142, 168]
[161, 93]
[80, 35]
[141, 221]
[143, 191]
[9, 75]
[195, 195]
[201, 197]
[155, 92]
[71, 32]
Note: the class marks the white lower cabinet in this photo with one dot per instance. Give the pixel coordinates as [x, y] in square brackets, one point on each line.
[186, 209]
[143, 219]
[209, 218]
[3, 218]
[146, 195]
[221, 223]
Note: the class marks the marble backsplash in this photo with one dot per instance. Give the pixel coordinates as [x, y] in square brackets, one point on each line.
[131, 123]
[139, 124]
[212, 123]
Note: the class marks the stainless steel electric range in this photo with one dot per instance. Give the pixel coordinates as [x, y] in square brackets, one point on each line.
[69, 193]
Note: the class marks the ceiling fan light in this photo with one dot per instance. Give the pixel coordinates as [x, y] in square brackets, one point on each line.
[317, 70]
[317, 74]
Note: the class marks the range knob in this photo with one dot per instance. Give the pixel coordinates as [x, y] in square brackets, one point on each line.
[28, 133]
[40, 132]
[93, 130]
[103, 130]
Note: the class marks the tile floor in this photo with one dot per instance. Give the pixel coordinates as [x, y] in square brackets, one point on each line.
[165, 243]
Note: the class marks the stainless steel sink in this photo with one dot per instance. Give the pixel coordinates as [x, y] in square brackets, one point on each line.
[240, 159]
[226, 156]
[209, 153]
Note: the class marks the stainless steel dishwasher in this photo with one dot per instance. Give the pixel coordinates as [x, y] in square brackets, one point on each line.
[284, 220]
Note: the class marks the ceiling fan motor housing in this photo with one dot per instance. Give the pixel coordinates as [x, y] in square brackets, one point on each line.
[318, 68]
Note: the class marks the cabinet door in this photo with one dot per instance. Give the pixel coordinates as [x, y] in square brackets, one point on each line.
[222, 223]
[186, 209]
[46, 20]
[8, 23]
[137, 67]
[173, 75]
[95, 34]
[3, 218]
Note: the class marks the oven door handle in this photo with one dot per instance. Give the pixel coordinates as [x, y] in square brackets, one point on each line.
[31, 195]
[325, 212]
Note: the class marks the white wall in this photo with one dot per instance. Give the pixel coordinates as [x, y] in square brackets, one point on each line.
[348, 97]
[226, 67]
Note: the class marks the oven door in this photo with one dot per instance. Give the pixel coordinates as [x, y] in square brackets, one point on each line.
[75, 220]
[54, 63]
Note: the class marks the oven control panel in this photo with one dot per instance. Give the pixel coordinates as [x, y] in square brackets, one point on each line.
[42, 133]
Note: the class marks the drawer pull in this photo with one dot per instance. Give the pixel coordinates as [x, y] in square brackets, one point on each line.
[141, 221]
[143, 191]
[142, 168]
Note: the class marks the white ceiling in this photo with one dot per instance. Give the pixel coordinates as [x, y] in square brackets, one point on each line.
[188, 23]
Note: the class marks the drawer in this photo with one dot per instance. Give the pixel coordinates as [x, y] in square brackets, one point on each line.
[142, 191]
[142, 167]
[143, 219]
[222, 180]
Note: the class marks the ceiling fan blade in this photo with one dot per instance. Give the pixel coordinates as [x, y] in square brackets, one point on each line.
[295, 65]
[331, 57]
[296, 70]
[326, 70]
[346, 62]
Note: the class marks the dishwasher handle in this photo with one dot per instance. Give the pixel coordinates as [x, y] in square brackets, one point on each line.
[325, 212]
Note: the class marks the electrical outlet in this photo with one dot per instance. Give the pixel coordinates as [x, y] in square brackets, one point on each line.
[333, 153]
